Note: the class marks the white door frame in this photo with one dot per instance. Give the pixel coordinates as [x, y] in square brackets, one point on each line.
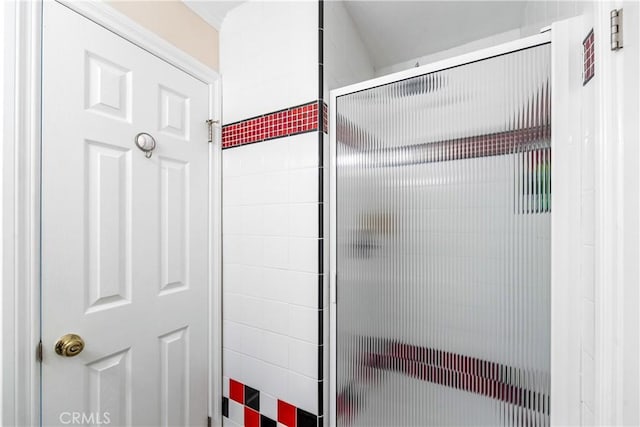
[566, 41]
[20, 121]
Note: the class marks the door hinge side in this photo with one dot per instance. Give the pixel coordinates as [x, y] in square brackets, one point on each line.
[210, 123]
[616, 29]
[39, 351]
[208, 421]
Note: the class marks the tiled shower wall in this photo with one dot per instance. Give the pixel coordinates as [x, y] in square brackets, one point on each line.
[276, 85]
[273, 264]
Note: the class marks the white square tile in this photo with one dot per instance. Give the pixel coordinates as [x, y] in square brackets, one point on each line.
[232, 335]
[231, 220]
[273, 188]
[302, 392]
[252, 279]
[303, 185]
[232, 249]
[253, 369]
[252, 311]
[275, 284]
[275, 220]
[251, 189]
[303, 254]
[268, 406]
[274, 349]
[302, 288]
[253, 159]
[251, 250]
[273, 380]
[303, 151]
[303, 323]
[232, 308]
[225, 386]
[233, 278]
[227, 422]
[236, 412]
[275, 316]
[275, 155]
[251, 341]
[276, 252]
[303, 220]
[251, 220]
[232, 363]
[231, 163]
[303, 358]
[231, 190]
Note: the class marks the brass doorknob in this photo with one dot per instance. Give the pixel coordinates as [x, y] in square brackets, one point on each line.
[69, 345]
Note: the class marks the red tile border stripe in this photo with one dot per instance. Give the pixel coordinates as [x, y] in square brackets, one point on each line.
[493, 144]
[589, 58]
[287, 122]
[467, 373]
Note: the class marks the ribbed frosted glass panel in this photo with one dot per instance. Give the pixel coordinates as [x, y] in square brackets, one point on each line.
[443, 247]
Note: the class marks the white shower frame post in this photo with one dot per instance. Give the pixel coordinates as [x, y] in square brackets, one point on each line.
[565, 37]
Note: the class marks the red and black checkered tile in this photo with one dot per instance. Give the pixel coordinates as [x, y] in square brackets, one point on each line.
[287, 414]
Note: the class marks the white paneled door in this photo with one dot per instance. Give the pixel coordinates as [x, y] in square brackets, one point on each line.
[124, 236]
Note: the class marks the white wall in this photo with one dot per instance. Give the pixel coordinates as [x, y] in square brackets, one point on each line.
[176, 23]
[540, 14]
[268, 57]
[346, 60]
[536, 16]
[449, 53]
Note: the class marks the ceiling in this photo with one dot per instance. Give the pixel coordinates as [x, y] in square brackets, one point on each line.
[212, 11]
[395, 31]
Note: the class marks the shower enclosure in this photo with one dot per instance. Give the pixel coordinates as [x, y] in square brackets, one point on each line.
[442, 241]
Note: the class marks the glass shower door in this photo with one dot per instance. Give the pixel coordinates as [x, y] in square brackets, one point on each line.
[443, 246]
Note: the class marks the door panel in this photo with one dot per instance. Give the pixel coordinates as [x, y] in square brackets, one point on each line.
[109, 386]
[174, 240]
[124, 237]
[108, 208]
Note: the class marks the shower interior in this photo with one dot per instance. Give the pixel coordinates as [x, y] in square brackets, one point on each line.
[443, 242]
